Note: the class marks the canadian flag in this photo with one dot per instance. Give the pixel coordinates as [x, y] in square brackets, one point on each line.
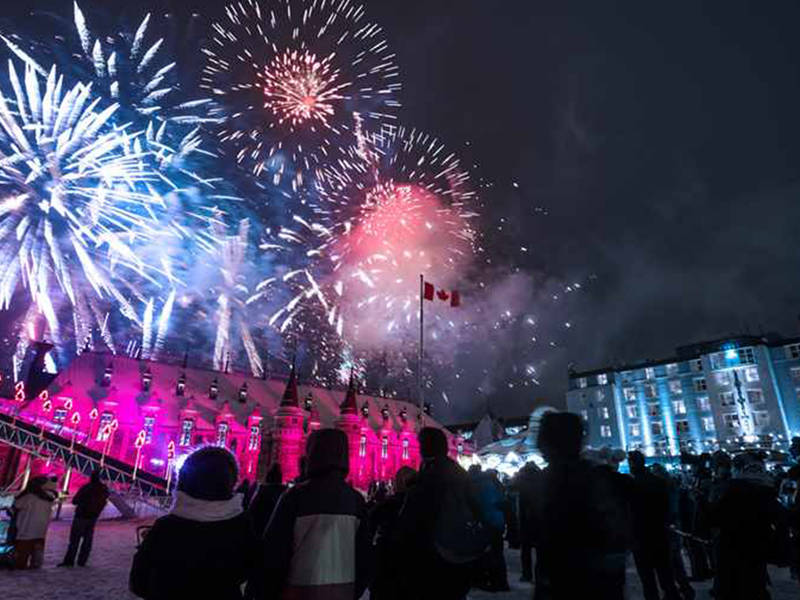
[430, 293]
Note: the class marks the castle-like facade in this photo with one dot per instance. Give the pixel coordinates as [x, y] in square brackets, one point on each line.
[153, 414]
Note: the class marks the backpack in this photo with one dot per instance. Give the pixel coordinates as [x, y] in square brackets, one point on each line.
[459, 535]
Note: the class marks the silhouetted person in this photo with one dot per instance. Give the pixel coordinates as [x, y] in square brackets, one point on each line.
[246, 491]
[317, 543]
[436, 568]
[266, 498]
[746, 515]
[651, 522]
[582, 519]
[525, 482]
[387, 582]
[32, 510]
[205, 548]
[491, 499]
[89, 501]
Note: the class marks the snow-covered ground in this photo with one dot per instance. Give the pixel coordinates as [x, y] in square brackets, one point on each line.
[106, 576]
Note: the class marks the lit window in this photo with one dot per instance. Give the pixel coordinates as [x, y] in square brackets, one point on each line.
[703, 403]
[679, 406]
[708, 423]
[385, 447]
[682, 427]
[632, 410]
[726, 399]
[605, 431]
[584, 415]
[697, 365]
[751, 374]
[675, 386]
[405, 448]
[602, 379]
[102, 427]
[252, 443]
[649, 373]
[747, 356]
[629, 393]
[222, 434]
[793, 351]
[650, 390]
[60, 415]
[795, 373]
[654, 410]
[718, 360]
[723, 378]
[601, 395]
[149, 424]
[761, 418]
[731, 420]
[603, 412]
[672, 369]
[700, 384]
[186, 432]
[661, 448]
[755, 396]
[636, 430]
[362, 446]
[655, 428]
[582, 382]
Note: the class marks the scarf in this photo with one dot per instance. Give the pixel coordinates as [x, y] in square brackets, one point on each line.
[206, 511]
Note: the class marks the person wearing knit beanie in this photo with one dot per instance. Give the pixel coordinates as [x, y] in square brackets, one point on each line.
[205, 548]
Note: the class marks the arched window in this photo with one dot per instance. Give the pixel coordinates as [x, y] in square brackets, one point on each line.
[222, 434]
[385, 447]
[405, 448]
[186, 432]
[102, 429]
[147, 427]
[362, 448]
[252, 444]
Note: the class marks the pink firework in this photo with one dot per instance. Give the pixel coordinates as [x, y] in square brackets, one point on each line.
[399, 206]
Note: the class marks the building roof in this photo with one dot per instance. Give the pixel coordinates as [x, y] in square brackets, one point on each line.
[82, 381]
[693, 351]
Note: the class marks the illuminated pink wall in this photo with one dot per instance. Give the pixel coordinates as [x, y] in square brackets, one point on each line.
[109, 407]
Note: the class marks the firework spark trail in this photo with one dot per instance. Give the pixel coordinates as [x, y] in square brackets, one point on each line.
[71, 207]
[290, 74]
[131, 73]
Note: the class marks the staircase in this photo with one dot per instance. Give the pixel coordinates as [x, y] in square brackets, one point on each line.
[37, 441]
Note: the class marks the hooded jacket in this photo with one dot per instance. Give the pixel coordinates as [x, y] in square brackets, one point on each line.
[203, 549]
[317, 541]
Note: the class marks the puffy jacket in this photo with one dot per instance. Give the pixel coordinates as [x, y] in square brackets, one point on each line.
[90, 500]
[203, 550]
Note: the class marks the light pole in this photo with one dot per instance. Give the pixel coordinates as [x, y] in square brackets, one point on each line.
[170, 459]
[92, 419]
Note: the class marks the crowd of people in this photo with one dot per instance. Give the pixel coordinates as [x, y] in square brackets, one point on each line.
[438, 532]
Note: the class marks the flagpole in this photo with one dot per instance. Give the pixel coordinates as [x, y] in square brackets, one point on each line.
[421, 340]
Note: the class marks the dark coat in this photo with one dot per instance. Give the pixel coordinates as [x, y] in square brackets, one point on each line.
[415, 534]
[582, 527]
[90, 500]
[263, 505]
[200, 560]
[383, 524]
[652, 512]
[747, 516]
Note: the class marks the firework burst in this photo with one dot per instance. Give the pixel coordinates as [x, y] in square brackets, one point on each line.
[291, 74]
[71, 211]
[399, 205]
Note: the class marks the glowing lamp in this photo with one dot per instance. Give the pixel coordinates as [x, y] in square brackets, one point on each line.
[47, 406]
[114, 425]
[93, 414]
[76, 418]
[139, 440]
[731, 354]
[68, 404]
[171, 450]
[44, 395]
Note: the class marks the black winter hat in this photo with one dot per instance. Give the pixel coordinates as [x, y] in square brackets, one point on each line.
[209, 474]
[560, 435]
[326, 450]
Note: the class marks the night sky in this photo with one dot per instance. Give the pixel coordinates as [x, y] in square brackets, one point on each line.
[655, 147]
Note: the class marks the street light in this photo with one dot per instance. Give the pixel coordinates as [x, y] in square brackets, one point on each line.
[139, 443]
